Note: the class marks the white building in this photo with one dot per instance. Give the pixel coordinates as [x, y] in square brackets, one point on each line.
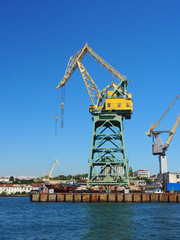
[4, 179]
[171, 177]
[142, 174]
[18, 188]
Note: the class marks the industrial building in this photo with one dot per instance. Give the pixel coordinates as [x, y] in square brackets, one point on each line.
[171, 177]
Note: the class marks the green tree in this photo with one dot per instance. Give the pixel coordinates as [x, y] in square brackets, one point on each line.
[77, 177]
[26, 181]
[3, 194]
[16, 181]
[69, 177]
[11, 179]
[148, 181]
[60, 177]
[24, 193]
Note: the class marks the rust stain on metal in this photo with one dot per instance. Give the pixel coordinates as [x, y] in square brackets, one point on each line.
[94, 197]
[86, 197]
[154, 197]
[178, 197]
[120, 197]
[137, 197]
[77, 197]
[60, 197]
[52, 198]
[103, 197]
[128, 197]
[43, 197]
[35, 197]
[145, 197]
[112, 197]
[69, 197]
[172, 197]
[164, 197]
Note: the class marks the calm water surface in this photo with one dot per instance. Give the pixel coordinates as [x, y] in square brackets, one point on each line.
[22, 219]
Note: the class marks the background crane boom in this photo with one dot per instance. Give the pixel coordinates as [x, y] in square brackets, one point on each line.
[159, 148]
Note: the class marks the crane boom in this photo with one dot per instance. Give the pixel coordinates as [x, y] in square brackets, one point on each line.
[72, 65]
[173, 130]
[56, 161]
[93, 90]
[47, 177]
[154, 125]
[106, 65]
[78, 56]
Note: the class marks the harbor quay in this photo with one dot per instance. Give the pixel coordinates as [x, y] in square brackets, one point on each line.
[106, 197]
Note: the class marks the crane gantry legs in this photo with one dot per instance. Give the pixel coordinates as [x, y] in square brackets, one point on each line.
[108, 164]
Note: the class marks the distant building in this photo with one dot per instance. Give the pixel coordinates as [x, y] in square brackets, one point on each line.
[142, 174]
[4, 180]
[152, 188]
[84, 179]
[138, 183]
[18, 188]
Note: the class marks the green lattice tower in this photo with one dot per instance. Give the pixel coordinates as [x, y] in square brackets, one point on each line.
[108, 165]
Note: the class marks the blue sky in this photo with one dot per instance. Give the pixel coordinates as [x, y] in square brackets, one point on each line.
[139, 38]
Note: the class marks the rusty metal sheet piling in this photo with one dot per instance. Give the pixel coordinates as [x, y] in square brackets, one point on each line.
[172, 197]
[43, 197]
[137, 197]
[104, 197]
[52, 197]
[128, 197]
[120, 197]
[145, 197]
[69, 197]
[77, 197]
[112, 197]
[164, 197]
[86, 197]
[60, 197]
[95, 197]
[154, 197]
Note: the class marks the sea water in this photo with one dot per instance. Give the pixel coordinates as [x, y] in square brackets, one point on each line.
[22, 219]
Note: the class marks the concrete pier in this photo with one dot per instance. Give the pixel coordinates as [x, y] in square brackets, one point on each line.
[106, 197]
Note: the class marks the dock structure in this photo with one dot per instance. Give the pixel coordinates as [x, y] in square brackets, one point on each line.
[106, 197]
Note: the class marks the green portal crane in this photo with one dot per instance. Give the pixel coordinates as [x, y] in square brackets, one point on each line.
[108, 165]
